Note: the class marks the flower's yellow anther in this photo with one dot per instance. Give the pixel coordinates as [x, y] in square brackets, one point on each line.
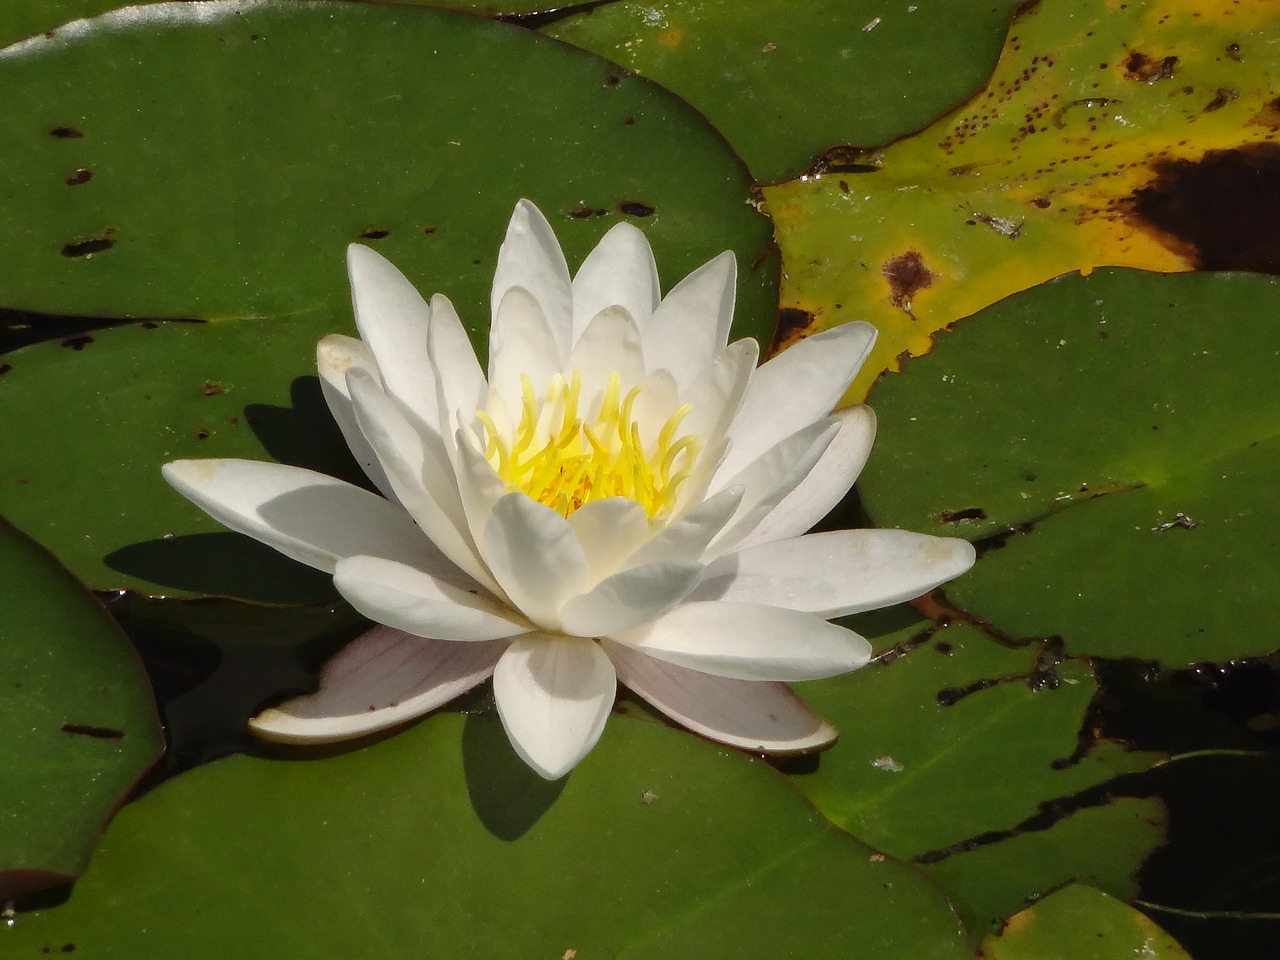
[560, 460]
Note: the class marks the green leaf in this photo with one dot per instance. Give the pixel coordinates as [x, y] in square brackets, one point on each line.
[269, 137]
[759, 68]
[1111, 435]
[76, 719]
[1078, 923]
[440, 842]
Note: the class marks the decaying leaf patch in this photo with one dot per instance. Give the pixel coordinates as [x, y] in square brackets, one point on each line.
[1110, 134]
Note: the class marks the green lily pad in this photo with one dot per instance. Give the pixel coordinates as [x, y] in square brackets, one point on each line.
[758, 68]
[76, 719]
[927, 736]
[1103, 847]
[318, 124]
[1078, 923]
[1113, 441]
[439, 840]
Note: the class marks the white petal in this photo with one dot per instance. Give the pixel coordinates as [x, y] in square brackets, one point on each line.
[620, 270]
[716, 393]
[382, 678]
[691, 324]
[630, 598]
[795, 388]
[554, 695]
[419, 471]
[534, 554]
[756, 715]
[392, 319]
[826, 484]
[687, 538]
[771, 477]
[460, 383]
[407, 599]
[609, 531]
[609, 344]
[530, 257]
[335, 355]
[313, 518]
[521, 344]
[749, 641]
[838, 573]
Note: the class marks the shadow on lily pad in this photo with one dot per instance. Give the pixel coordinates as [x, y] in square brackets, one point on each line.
[304, 434]
[507, 796]
[222, 564]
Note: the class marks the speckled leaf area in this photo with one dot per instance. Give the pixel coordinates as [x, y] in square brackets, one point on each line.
[1111, 134]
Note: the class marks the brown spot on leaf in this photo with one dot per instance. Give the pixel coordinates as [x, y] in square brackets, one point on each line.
[635, 208]
[78, 343]
[1222, 210]
[907, 276]
[81, 175]
[66, 133]
[86, 248]
[98, 733]
[374, 233]
[211, 389]
[1140, 66]
[1223, 97]
[794, 325]
[968, 513]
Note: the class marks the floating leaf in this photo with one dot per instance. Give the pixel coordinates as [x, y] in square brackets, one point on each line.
[1077, 923]
[880, 68]
[76, 719]
[1112, 442]
[1128, 134]
[440, 840]
[233, 151]
[929, 737]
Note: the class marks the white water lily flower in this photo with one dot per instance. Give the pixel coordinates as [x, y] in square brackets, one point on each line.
[621, 497]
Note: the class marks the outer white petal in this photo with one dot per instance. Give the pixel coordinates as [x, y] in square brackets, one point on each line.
[392, 319]
[749, 641]
[826, 484]
[407, 599]
[382, 678]
[535, 555]
[554, 695]
[460, 382]
[419, 471]
[838, 573]
[630, 598]
[609, 531]
[521, 344]
[795, 388]
[620, 270]
[335, 355]
[756, 715]
[530, 257]
[771, 477]
[610, 343]
[313, 518]
[691, 324]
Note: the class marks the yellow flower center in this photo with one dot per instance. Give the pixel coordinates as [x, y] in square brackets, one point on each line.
[564, 461]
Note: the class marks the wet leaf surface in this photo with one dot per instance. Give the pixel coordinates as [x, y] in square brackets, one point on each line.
[1123, 486]
[1139, 135]
[785, 82]
[222, 214]
[77, 722]
[477, 854]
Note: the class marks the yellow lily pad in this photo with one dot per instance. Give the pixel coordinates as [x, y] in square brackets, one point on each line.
[1110, 134]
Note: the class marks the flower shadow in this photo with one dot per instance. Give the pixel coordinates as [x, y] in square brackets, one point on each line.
[506, 795]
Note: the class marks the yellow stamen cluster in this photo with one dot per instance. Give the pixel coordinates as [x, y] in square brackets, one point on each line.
[560, 460]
